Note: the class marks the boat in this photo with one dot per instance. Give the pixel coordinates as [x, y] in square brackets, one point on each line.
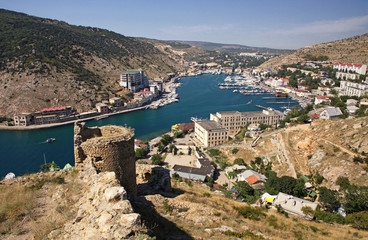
[281, 94]
[50, 140]
[250, 102]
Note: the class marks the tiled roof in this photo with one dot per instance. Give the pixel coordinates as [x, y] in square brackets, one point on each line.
[251, 179]
[52, 109]
[322, 97]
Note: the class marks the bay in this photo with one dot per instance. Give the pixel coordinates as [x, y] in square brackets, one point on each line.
[23, 151]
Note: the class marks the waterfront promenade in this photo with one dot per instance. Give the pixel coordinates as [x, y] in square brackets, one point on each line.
[51, 125]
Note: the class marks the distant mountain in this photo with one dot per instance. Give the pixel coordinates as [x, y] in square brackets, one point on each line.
[45, 62]
[349, 50]
[232, 47]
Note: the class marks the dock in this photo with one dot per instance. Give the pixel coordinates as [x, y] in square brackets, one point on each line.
[279, 102]
[261, 107]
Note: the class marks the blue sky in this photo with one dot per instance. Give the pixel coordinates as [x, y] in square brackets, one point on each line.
[287, 24]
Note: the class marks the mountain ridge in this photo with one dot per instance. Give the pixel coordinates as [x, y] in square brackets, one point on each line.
[46, 62]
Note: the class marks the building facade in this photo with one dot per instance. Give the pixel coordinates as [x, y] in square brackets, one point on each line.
[23, 119]
[353, 89]
[348, 67]
[133, 80]
[234, 121]
[210, 133]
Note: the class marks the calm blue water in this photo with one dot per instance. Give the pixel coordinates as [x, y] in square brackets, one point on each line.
[23, 151]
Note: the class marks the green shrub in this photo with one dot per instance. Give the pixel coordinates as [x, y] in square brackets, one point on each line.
[253, 213]
[358, 220]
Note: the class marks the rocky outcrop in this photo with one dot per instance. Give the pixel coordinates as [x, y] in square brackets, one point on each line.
[103, 211]
[152, 179]
[110, 148]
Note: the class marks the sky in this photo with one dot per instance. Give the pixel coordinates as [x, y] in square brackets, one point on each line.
[282, 24]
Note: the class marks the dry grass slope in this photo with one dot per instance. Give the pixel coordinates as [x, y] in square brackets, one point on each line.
[349, 50]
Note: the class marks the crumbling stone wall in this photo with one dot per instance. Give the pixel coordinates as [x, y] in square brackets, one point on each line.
[111, 149]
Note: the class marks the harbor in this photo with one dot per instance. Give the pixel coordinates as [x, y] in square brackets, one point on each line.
[23, 151]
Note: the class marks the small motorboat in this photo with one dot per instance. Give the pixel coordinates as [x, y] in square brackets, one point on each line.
[50, 140]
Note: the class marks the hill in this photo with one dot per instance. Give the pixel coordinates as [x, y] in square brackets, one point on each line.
[45, 62]
[349, 50]
[325, 148]
[232, 47]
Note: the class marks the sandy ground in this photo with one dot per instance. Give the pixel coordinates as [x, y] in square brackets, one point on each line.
[185, 160]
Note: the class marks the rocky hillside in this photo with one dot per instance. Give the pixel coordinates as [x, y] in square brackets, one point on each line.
[46, 63]
[349, 50]
[325, 147]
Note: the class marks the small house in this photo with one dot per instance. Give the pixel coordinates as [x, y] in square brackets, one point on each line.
[331, 113]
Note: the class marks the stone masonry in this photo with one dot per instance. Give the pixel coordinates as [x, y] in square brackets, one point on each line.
[111, 149]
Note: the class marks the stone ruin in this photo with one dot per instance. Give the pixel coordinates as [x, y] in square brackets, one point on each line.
[110, 149]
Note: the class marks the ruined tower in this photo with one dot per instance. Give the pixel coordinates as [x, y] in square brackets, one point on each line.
[110, 148]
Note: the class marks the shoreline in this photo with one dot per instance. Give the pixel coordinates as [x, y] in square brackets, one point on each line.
[52, 125]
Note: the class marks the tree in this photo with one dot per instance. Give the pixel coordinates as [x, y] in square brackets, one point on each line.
[239, 161]
[157, 159]
[140, 153]
[358, 220]
[343, 182]
[171, 148]
[308, 211]
[244, 188]
[166, 139]
[178, 134]
[52, 166]
[329, 199]
[235, 151]
[161, 147]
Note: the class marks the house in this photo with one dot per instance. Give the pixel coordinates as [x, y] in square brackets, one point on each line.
[363, 102]
[330, 113]
[235, 167]
[352, 102]
[102, 108]
[321, 99]
[251, 177]
[293, 204]
[138, 144]
[116, 101]
[352, 109]
[23, 119]
[185, 126]
[205, 170]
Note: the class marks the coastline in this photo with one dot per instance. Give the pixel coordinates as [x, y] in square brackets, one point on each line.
[52, 125]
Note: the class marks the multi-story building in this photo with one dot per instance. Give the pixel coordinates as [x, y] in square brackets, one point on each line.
[23, 119]
[234, 121]
[210, 133]
[353, 89]
[348, 67]
[133, 80]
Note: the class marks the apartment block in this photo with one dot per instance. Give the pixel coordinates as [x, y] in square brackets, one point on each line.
[210, 133]
[133, 80]
[234, 121]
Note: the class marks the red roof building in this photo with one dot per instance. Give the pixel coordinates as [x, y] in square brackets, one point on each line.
[251, 179]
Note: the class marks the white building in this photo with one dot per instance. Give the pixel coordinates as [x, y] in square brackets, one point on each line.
[235, 120]
[293, 204]
[210, 133]
[330, 113]
[133, 80]
[321, 99]
[353, 89]
[348, 67]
